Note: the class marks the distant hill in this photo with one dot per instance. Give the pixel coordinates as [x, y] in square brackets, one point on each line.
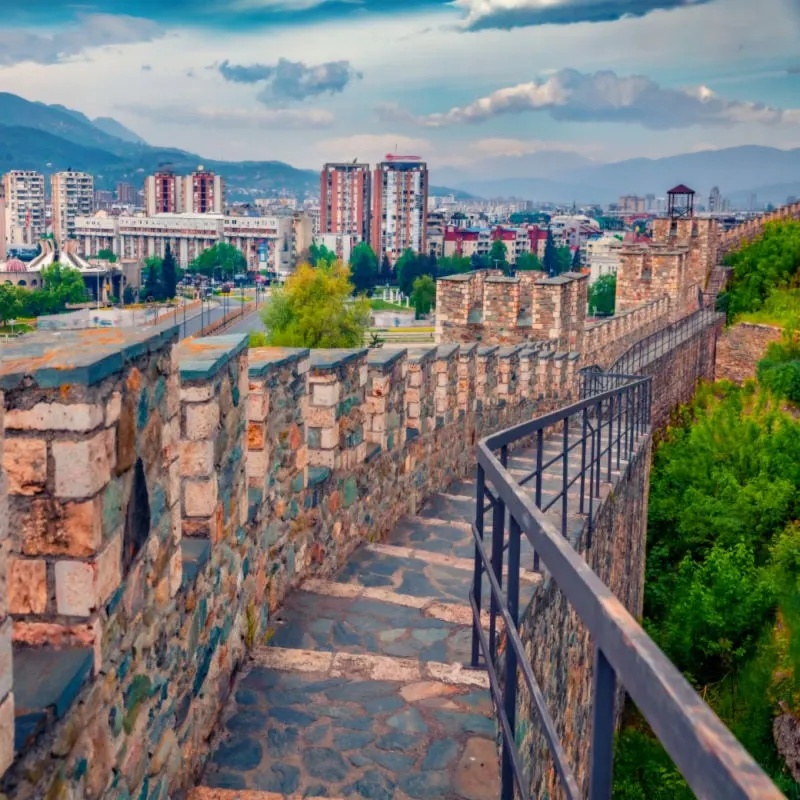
[113, 128]
[737, 171]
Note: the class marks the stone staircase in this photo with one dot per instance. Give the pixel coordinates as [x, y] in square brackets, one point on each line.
[363, 689]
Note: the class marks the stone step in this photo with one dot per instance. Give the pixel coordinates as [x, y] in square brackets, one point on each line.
[342, 725]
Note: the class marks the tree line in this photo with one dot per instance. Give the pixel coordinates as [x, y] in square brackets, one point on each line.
[61, 286]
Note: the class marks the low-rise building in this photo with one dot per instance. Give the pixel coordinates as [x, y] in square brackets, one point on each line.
[602, 256]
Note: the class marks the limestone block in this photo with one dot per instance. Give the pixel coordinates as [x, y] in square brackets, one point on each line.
[53, 528]
[325, 394]
[6, 672]
[25, 462]
[81, 468]
[202, 420]
[76, 591]
[199, 497]
[257, 402]
[197, 394]
[113, 408]
[27, 586]
[196, 458]
[77, 417]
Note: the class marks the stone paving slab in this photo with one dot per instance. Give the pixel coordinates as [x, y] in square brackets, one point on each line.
[311, 734]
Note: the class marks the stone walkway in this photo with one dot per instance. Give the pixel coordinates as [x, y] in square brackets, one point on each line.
[362, 691]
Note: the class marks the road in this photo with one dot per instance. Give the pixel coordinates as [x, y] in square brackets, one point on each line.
[195, 320]
[251, 323]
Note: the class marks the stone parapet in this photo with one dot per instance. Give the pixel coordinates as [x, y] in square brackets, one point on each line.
[6, 658]
[162, 501]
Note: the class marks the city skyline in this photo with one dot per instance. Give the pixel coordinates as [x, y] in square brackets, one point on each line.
[308, 81]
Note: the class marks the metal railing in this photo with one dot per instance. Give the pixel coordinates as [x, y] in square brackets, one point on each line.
[605, 429]
[662, 341]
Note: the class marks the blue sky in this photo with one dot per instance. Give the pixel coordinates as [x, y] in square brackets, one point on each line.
[478, 87]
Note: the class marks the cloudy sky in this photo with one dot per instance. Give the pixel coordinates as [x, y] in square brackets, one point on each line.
[460, 82]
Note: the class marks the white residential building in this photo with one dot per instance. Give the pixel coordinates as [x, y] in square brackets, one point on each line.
[73, 197]
[602, 256]
[25, 221]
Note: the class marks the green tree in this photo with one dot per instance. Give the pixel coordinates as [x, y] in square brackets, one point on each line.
[386, 268]
[478, 262]
[128, 295]
[564, 257]
[221, 261]
[169, 274]
[452, 265]
[152, 289]
[423, 295]
[363, 268]
[318, 255]
[498, 254]
[409, 267]
[603, 295]
[315, 309]
[107, 255]
[63, 285]
[551, 264]
[576, 260]
[529, 262]
[9, 303]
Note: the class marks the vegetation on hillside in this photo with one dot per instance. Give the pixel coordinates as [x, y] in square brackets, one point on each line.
[315, 308]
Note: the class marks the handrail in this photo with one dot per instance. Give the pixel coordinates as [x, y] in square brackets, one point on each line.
[714, 764]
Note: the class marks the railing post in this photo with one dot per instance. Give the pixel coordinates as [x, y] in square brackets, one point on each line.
[539, 461]
[565, 477]
[599, 447]
[498, 524]
[510, 688]
[603, 719]
[478, 573]
[583, 457]
[610, 432]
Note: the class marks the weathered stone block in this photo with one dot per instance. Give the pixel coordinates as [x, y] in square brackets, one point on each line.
[202, 420]
[77, 417]
[81, 468]
[197, 458]
[27, 586]
[76, 593]
[199, 497]
[6, 733]
[25, 461]
[6, 671]
[325, 394]
[52, 528]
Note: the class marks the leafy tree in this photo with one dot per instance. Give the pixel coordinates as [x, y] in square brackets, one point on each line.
[576, 260]
[452, 265]
[498, 254]
[478, 262]
[315, 309]
[423, 295]
[128, 295]
[363, 268]
[529, 262]
[63, 285]
[169, 274]
[564, 257]
[223, 261]
[409, 267]
[152, 289]
[107, 255]
[9, 303]
[551, 263]
[602, 295]
[318, 254]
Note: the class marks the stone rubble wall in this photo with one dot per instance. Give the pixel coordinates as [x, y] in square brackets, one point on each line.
[741, 234]
[741, 347]
[558, 645]
[6, 672]
[160, 512]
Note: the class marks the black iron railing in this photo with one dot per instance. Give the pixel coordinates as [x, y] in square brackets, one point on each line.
[662, 341]
[605, 429]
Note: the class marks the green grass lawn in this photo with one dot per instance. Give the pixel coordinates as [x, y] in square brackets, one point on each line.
[383, 305]
[781, 308]
[19, 328]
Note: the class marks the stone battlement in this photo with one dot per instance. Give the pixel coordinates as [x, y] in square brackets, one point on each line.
[485, 306]
[162, 499]
[747, 231]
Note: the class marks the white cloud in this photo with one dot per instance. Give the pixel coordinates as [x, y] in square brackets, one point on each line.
[507, 14]
[509, 148]
[572, 96]
[258, 118]
[92, 30]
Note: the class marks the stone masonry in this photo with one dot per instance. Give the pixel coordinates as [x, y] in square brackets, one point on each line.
[741, 347]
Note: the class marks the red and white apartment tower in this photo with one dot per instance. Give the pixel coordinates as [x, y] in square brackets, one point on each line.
[399, 206]
[345, 200]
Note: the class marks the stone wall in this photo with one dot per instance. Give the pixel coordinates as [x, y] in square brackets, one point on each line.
[740, 348]
[557, 643]
[164, 498]
[741, 234]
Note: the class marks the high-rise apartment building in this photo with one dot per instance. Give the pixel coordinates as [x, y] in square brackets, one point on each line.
[203, 193]
[25, 221]
[399, 206]
[715, 200]
[127, 194]
[73, 196]
[162, 193]
[345, 200]
[199, 193]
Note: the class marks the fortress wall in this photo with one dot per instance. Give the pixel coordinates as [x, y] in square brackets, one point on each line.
[164, 498]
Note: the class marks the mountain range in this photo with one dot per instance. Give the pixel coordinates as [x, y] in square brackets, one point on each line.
[50, 138]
